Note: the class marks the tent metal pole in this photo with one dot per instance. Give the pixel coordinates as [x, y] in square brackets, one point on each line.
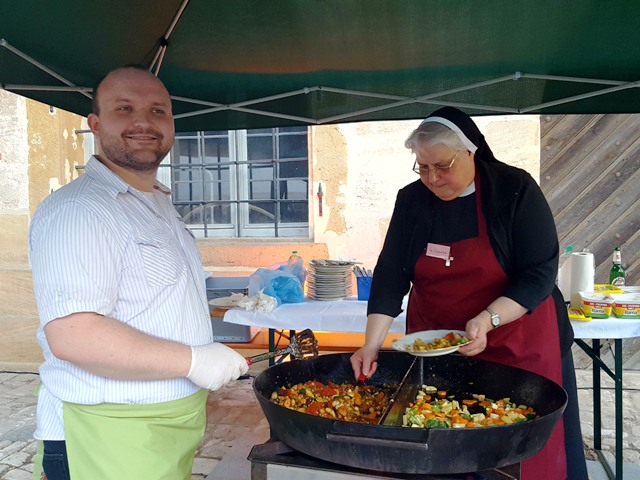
[275, 115]
[47, 88]
[427, 102]
[604, 91]
[162, 51]
[164, 41]
[422, 99]
[195, 101]
[401, 101]
[474, 106]
[364, 111]
[302, 91]
[506, 78]
[237, 106]
[573, 79]
[431, 95]
[249, 110]
[24, 56]
[362, 94]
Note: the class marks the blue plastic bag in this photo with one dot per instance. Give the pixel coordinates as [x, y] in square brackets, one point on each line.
[281, 281]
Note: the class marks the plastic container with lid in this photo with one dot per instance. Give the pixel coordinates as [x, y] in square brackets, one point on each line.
[626, 305]
[606, 288]
[596, 305]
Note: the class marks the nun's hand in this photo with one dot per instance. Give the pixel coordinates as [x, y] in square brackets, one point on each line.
[476, 330]
[364, 361]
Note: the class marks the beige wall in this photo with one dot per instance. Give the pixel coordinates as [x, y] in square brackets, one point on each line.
[361, 166]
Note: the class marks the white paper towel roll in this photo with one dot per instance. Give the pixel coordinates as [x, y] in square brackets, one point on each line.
[582, 275]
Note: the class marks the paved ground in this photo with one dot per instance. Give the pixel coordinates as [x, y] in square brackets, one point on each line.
[234, 417]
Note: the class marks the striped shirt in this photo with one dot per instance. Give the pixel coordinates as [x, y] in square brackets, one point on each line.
[99, 245]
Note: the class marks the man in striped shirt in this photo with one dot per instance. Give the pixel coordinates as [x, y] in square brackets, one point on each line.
[124, 320]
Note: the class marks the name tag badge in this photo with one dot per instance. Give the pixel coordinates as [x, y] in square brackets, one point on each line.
[439, 251]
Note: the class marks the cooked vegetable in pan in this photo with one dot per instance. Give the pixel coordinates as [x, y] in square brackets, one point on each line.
[434, 408]
[361, 403]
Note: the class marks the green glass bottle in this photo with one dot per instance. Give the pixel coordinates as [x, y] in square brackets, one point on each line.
[616, 276]
[294, 258]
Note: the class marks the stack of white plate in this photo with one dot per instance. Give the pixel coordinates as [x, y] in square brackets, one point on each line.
[329, 279]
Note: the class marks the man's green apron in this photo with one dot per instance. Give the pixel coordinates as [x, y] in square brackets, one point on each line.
[131, 442]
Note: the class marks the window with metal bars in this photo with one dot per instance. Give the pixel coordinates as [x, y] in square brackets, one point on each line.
[242, 183]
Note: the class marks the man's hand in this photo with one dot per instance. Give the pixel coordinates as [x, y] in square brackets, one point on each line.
[214, 365]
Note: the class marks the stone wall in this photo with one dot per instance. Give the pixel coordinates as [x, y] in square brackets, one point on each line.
[39, 150]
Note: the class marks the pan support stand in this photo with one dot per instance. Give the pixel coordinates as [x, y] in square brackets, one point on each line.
[274, 460]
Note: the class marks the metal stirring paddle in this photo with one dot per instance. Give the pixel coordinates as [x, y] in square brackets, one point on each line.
[303, 345]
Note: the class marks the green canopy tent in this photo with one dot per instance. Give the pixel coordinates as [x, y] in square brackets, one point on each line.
[255, 63]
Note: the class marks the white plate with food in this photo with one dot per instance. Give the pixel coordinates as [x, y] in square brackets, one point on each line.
[431, 343]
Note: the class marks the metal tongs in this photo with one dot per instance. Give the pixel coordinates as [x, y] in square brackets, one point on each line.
[302, 345]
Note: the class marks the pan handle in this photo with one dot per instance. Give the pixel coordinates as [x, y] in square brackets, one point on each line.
[376, 442]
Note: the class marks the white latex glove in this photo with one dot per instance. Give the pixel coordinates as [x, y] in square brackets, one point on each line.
[214, 365]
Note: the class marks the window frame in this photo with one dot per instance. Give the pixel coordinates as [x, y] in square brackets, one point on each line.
[239, 202]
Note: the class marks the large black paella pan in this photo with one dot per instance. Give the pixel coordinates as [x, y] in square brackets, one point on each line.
[388, 446]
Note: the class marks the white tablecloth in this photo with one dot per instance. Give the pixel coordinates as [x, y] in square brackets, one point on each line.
[350, 315]
[610, 328]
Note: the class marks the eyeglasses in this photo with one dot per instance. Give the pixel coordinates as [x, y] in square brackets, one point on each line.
[426, 169]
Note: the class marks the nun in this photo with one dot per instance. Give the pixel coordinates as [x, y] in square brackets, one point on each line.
[474, 244]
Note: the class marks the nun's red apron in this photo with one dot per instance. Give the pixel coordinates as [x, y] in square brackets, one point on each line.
[446, 297]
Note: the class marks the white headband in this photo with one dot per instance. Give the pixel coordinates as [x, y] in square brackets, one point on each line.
[467, 143]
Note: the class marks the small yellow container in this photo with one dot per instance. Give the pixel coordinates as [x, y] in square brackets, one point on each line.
[576, 314]
[596, 305]
[606, 288]
[626, 305]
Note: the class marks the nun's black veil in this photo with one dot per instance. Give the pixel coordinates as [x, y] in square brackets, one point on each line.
[470, 129]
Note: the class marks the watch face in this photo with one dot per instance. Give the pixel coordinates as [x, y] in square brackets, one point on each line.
[495, 318]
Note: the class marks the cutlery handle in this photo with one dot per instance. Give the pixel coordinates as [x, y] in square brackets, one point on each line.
[268, 355]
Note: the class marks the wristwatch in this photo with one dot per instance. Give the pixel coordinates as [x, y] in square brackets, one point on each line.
[495, 318]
